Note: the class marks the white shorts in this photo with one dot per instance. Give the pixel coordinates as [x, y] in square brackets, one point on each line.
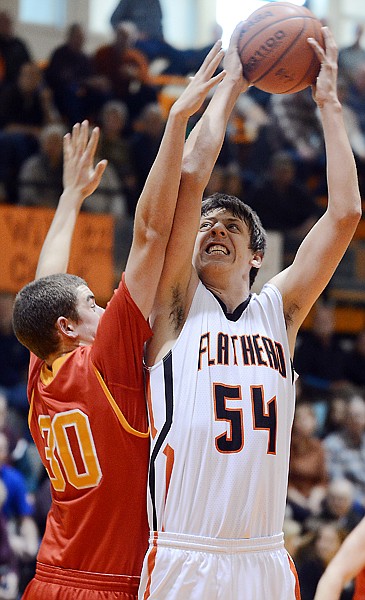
[185, 567]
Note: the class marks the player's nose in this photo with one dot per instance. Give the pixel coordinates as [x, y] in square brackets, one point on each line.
[219, 230]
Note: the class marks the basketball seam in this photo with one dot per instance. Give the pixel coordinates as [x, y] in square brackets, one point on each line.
[302, 79]
[273, 65]
[258, 32]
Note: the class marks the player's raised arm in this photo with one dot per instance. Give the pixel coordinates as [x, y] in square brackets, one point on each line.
[200, 154]
[156, 206]
[80, 179]
[345, 565]
[326, 243]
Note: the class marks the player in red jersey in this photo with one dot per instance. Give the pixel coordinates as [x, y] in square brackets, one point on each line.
[347, 564]
[86, 390]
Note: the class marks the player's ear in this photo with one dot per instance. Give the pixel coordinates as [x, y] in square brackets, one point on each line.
[66, 327]
[256, 260]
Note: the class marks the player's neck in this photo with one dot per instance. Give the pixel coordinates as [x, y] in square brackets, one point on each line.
[52, 357]
[231, 298]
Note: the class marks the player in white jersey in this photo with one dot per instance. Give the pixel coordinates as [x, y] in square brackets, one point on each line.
[220, 381]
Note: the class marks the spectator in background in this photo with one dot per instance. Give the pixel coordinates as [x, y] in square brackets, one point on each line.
[315, 556]
[145, 141]
[353, 127]
[14, 52]
[307, 465]
[354, 369]
[283, 202]
[109, 199]
[355, 94]
[25, 107]
[79, 92]
[336, 409]
[227, 178]
[319, 357]
[147, 19]
[247, 131]
[126, 69]
[350, 57]
[22, 453]
[347, 564]
[338, 506]
[354, 130]
[296, 127]
[345, 449]
[145, 14]
[23, 533]
[14, 360]
[40, 182]
[40, 176]
[9, 571]
[292, 537]
[115, 146]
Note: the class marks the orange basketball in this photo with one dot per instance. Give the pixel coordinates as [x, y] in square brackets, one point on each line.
[274, 51]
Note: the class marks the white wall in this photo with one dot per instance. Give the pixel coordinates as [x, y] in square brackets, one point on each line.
[187, 23]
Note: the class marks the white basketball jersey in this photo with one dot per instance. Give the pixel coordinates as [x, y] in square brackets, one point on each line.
[221, 408]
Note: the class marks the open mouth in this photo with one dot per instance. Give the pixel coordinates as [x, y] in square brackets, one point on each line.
[217, 249]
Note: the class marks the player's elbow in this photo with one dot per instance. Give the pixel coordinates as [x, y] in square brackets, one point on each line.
[348, 219]
[346, 211]
[154, 236]
[352, 215]
[194, 175]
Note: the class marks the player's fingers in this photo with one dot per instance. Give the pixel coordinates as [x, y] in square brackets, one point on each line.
[208, 68]
[236, 34]
[75, 135]
[84, 135]
[67, 145]
[212, 55]
[93, 142]
[330, 43]
[216, 79]
[317, 49]
[214, 64]
[98, 172]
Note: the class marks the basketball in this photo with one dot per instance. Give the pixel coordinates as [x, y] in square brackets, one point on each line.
[274, 51]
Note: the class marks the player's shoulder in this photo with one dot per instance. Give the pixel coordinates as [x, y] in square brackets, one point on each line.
[269, 291]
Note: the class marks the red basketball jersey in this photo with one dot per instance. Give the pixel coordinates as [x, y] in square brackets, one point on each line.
[360, 586]
[88, 420]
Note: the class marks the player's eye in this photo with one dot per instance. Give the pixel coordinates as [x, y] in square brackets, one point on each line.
[205, 225]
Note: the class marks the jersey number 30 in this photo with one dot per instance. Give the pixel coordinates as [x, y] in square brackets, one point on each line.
[263, 417]
[69, 434]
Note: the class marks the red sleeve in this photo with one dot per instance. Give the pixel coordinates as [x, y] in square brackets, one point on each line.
[117, 351]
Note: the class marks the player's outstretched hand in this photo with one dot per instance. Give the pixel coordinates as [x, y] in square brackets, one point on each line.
[203, 81]
[325, 89]
[232, 62]
[79, 151]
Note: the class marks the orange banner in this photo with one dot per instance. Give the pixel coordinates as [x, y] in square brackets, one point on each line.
[22, 232]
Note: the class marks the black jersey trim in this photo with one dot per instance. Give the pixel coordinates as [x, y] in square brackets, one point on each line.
[235, 315]
[169, 410]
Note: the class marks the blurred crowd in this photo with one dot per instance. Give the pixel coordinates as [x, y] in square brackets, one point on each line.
[272, 158]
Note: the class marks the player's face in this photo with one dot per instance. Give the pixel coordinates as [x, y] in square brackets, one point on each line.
[89, 316]
[222, 240]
